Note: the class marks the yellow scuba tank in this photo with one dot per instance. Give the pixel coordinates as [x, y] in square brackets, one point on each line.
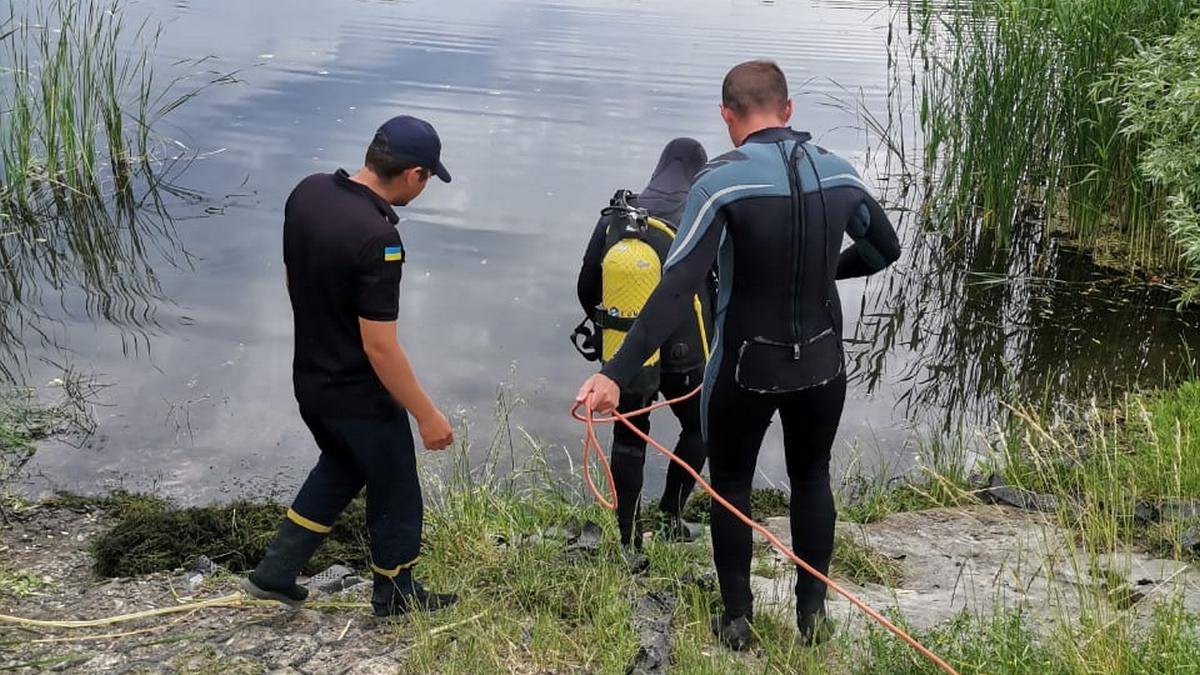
[630, 271]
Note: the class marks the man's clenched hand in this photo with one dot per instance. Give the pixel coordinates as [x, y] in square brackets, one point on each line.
[604, 392]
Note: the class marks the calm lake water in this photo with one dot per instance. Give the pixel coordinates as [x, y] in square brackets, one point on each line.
[544, 108]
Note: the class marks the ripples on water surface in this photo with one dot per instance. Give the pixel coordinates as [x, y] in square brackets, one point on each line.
[544, 109]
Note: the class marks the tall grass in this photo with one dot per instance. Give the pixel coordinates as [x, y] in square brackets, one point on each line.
[83, 174]
[1129, 472]
[1014, 129]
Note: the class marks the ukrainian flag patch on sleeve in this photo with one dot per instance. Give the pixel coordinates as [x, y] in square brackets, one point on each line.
[393, 254]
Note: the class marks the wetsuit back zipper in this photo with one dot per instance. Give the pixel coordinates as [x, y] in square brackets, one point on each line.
[798, 241]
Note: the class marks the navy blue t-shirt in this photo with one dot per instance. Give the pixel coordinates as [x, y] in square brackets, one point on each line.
[344, 260]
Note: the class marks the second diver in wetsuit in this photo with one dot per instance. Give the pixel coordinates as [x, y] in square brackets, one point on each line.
[772, 213]
[679, 368]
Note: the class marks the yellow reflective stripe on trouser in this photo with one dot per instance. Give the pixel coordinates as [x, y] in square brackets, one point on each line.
[395, 570]
[307, 524]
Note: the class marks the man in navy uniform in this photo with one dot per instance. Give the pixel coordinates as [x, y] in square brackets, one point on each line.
[352, 379]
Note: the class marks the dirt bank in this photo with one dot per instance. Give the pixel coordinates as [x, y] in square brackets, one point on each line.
[973, 558]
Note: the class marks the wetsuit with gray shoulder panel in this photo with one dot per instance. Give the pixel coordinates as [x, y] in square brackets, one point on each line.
[777, 280]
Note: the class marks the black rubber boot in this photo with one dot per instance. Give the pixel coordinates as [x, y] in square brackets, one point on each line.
[812, 624]
[275, 576]
[735, 632]
[399, 595]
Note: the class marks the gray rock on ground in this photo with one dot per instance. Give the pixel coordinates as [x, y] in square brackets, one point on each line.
[982, 558]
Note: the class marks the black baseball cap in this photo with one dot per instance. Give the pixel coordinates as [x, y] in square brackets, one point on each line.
[413, 140]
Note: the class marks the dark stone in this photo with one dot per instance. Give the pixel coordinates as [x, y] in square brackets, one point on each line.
[336, 578]
[998, 493]
[652, 620]
[1146, 513]
[1190, 539]
[588, 539]
[637, 562]
[1167, 509]
[705, 581]
[204, 565]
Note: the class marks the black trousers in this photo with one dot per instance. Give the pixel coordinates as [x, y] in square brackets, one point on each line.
[737, 419]
[378, 454]
[629, 451]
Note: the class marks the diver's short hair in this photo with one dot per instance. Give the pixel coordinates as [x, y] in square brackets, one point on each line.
[755, 86]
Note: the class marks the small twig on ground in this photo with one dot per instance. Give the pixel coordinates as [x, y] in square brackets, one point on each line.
[345, 630]
[330, 604]
[451, 626]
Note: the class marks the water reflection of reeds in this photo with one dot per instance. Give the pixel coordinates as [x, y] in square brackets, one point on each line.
[85, 179]
[991, 303]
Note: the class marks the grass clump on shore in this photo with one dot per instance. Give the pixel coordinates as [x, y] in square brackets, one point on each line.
[542, 605]
[1127, 474]
[855, 560]
[153, 535]
[940, 478]
[1011, 642]
[764, 503]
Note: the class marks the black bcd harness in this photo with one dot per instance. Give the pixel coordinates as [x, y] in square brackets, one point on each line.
[631, 223]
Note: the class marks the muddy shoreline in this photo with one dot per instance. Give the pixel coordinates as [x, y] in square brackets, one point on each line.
[977, 559]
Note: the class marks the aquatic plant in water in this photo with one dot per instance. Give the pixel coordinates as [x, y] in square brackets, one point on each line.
[83, 175]
[1157, 94]
[1014, 131]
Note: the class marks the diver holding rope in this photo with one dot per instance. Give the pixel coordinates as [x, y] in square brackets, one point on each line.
[354, 383]
[772, 214]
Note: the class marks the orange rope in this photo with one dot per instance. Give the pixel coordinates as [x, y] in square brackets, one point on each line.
[591, 445]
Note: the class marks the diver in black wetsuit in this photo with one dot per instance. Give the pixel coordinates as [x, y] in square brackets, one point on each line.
[681, 367]
[772, 213]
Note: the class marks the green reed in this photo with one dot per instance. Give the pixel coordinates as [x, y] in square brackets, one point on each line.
[83, 175]
[1014, 129]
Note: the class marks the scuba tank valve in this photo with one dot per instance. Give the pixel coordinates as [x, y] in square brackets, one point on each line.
[630, 219]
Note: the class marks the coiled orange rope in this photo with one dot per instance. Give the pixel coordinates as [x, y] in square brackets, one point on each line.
[591, 445]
